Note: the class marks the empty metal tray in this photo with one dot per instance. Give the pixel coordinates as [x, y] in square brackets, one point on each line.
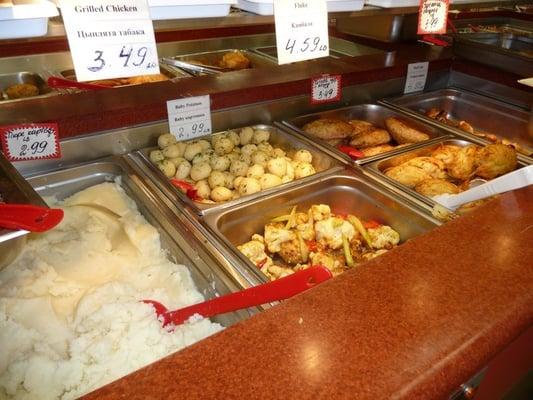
[486, 115]
[373, 113]
[345, 192]
[322, 162]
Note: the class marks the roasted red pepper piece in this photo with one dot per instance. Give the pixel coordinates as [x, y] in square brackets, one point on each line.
[371, 224]
[351, 151]
[186, 187]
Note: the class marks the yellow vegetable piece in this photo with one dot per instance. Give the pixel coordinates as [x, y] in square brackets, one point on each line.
[303, 248]
[360, 228]
[347, 253]
[291, 223]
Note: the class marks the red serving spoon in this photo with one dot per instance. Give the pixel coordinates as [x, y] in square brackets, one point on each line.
[60, 83]
[279, 289]
[29, 217]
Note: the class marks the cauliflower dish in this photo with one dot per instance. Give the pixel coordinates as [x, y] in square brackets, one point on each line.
[448, 169]
[229, 165]
[317, 237]
[364, 136]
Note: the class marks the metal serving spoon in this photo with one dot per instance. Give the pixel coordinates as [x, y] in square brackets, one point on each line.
[279, 289]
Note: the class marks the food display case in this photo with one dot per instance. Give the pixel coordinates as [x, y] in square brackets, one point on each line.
[406, 273]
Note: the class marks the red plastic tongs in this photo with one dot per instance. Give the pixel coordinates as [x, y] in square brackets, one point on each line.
[29, 217]
[352, 152]
[60, 83]
[279, 289]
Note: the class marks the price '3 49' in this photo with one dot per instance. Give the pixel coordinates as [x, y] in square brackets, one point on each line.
[307, 45]
[128, 55]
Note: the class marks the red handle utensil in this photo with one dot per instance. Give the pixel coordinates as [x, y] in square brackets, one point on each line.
[279, 289]
[351, 151]
[28, 217]
[186, 187]
[57, 82]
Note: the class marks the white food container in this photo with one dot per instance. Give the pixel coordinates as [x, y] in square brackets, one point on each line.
[25, 20]
[266, 7]
[180, 9]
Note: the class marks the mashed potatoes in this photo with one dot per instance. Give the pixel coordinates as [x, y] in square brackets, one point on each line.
[70, 316]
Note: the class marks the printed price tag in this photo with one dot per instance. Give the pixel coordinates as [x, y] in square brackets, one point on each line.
[326, 89]
[190, 117]
[301, 30]
[110, 40]
[417, 74]
[30, 142]
[432, 16]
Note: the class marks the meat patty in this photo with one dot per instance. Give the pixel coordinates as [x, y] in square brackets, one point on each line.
[328, 129]
[403, 133]
[370, 137]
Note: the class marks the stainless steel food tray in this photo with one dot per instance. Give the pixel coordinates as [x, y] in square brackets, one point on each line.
[171, 73]
[278, 138]
[504, 51]
[378, 167]
[483, 113]
[505, 25]
[175, 238]
[346, 191]
[212, 58]
[7, 80]
[373, 113]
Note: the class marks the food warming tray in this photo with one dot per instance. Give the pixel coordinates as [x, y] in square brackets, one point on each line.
[175, 239]
[483, 113]
[505, 51]
[212, 58]
[373, 113]
[495, 25]
[378, 167]
[7, 80]
[322, 163]
[345, 192]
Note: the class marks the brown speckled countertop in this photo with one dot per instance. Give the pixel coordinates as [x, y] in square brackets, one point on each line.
[413, 324]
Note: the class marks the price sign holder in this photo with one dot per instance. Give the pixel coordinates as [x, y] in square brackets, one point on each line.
[301, 30]
[110, 40]
[326, 89]
[30, 142]
[417, 74]
[432, 16]
[190, 117]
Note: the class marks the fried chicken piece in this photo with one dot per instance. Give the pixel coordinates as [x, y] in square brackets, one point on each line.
[137, 80]
[494, 160]
[434, 187]
[234, 60]
[464, 163]
[434, 167]
[438, 114]
[466, 208]
[328, 129]
[446, 153]
[403, 133]
[372, 151]
[407, 175]
[22, 90]
[359, 126]
[370, 137]
[108, 82]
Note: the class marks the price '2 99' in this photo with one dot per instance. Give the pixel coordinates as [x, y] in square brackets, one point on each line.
[307, 45]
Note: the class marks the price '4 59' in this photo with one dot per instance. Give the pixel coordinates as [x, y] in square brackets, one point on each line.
[307, 45]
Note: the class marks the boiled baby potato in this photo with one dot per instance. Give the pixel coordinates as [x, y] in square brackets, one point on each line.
[220, 163]
[204, 156]
[221, 193]
[223, 146]
[238, 168]
[277, 166]
[174, 150]
[191, 150]
[205, 144]
[167, 168]
[303, 169]
[217, 178]
[200, 171]
[248, 149]
[249, 186]
[255, 171]
[165, 140]
[246, 135]
[234, 137]
[303, 155]
[260, 135]
[260, 157]
[202, 189]
[183, 170]
[268, 181]
[156, 156]
[177, 161]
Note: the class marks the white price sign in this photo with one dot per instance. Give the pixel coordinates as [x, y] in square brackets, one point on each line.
[301, 30]
[110, 39]
[190, 117]
[433, 16]
[417, 74]
[326, 89]
[30, 142]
